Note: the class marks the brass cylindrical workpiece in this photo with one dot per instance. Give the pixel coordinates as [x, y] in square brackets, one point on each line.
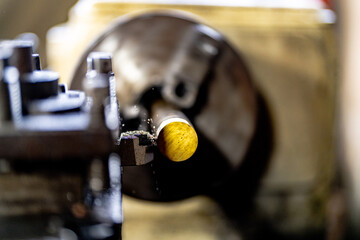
[176, 137]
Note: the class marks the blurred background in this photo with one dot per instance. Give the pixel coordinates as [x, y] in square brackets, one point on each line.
[37, 17]
[303, 181]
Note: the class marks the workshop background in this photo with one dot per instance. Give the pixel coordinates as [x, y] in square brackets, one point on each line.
[293, 56]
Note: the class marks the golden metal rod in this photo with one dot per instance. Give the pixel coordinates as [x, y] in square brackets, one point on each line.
[176, 137]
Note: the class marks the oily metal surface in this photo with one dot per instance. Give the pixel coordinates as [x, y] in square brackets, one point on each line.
[224, 114]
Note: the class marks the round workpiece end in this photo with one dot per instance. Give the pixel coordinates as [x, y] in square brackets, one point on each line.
[177, 141]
